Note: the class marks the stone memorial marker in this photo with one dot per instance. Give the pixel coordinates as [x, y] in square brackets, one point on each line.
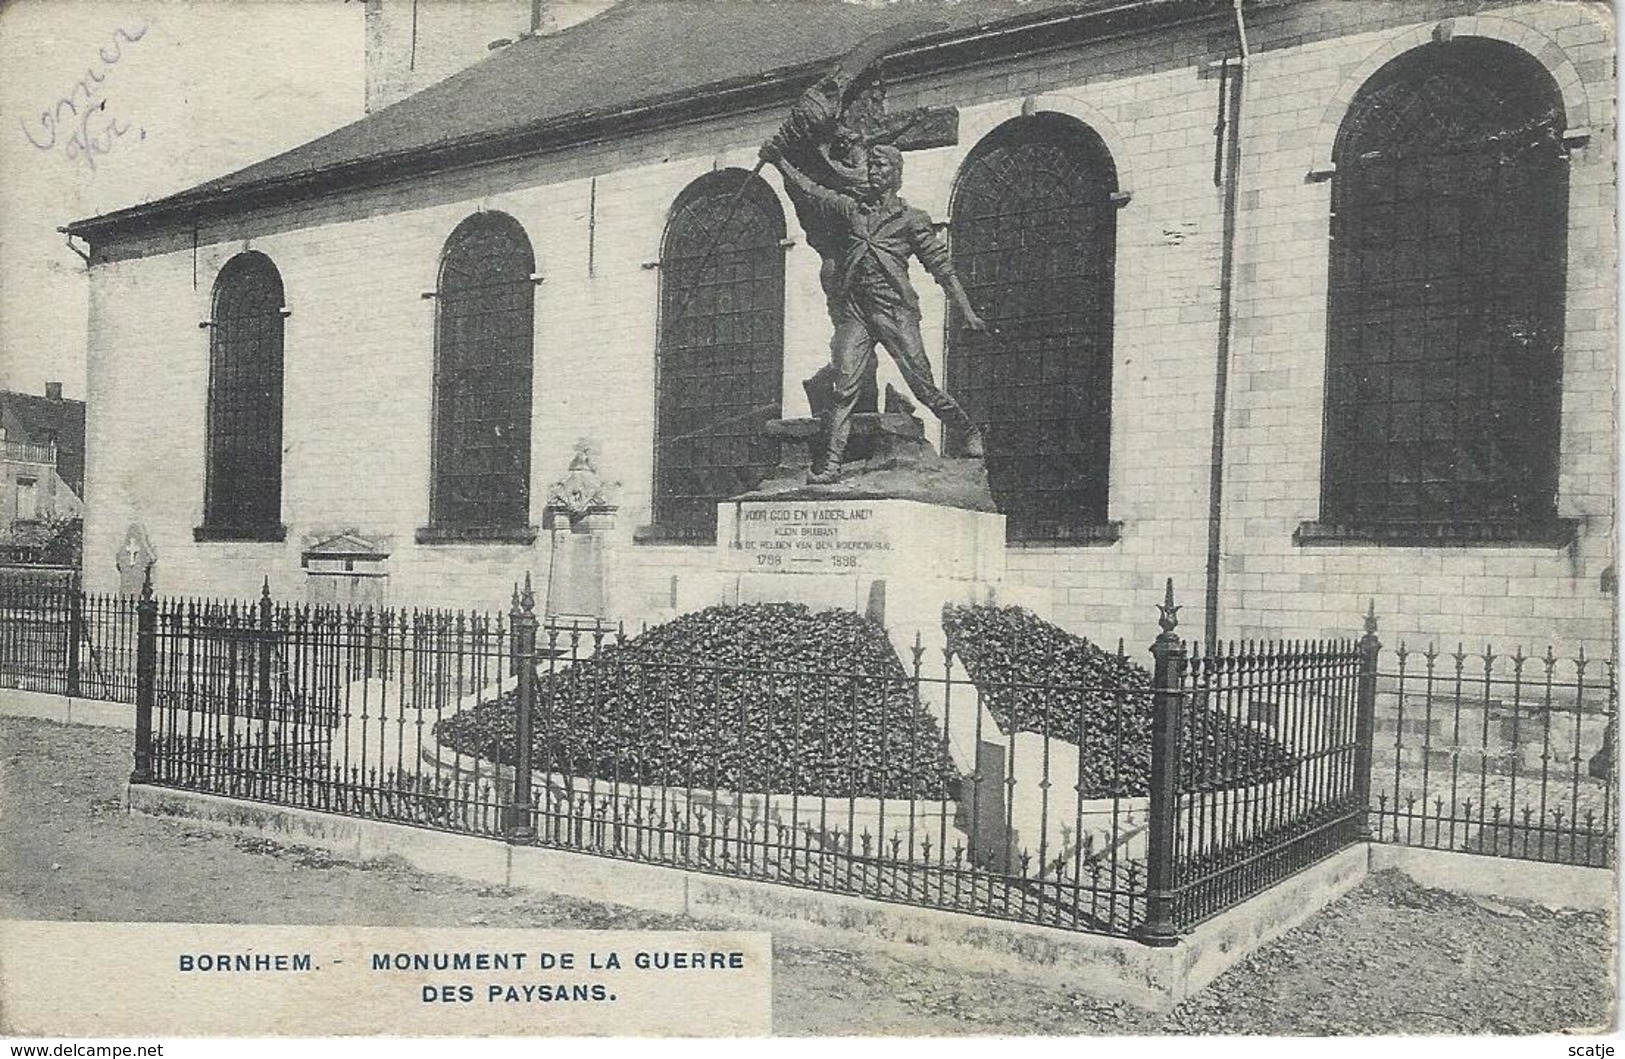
[580, 518]
[133, 558]
[346, 570]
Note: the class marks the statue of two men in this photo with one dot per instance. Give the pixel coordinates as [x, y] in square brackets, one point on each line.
[843, 181]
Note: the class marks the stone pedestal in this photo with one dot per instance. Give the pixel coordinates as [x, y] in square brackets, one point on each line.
[576, 584]
[899, 562]
[889, 458]
[855, 539]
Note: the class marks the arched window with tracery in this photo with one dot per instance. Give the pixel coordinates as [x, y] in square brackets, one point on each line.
[1034, 240]
[1445, 298]
[243, 481]
[720, 373]
[484, 360]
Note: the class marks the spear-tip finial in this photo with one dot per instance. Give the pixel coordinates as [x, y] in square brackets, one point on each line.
[265, 588]
[528, 598]
[1168, 616]
[1371, 618]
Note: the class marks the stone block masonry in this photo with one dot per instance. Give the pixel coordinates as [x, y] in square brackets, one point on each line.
[359, 357]
[1297, 94]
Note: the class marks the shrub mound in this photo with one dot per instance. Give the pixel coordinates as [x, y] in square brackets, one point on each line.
[762, 698]
[1036, 677]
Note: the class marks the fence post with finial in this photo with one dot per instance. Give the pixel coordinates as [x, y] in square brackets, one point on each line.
[1365, 722]
[263, 690]
[513, 633]
[520, 827]
[146, 678]
[1167, 699]
[76, 632]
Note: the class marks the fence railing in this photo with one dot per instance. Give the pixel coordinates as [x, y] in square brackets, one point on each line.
[320, 707]
[1498, 753]
[58, 639]
[1124, 802]
[1311, 702]
[1105, 797]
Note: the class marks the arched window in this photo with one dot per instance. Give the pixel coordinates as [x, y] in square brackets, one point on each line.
[721, 368]
[1445, 297]
[243, 488]
[1034, 241]
[484, 352]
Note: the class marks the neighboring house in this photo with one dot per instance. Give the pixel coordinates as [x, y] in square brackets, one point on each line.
[1331, 324]
[42, 469]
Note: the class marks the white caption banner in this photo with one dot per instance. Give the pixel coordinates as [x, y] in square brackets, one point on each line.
[164, 979]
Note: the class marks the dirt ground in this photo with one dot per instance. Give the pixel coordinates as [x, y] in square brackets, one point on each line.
[1391, 957]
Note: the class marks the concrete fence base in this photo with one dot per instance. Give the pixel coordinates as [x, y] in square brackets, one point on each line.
[1110, 967]
[1553, 885]
[49, 706]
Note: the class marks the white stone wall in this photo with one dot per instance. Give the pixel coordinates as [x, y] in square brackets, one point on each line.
[359, 350]
[1296, 98]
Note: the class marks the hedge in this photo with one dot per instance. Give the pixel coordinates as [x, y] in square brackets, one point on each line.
[765, 698]
[1036, 677]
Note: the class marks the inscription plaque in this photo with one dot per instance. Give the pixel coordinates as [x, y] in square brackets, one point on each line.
[811, 536]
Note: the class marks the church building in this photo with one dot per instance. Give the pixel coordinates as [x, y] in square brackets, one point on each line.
[1304, 304]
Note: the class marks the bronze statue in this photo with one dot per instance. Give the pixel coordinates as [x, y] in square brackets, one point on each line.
[842, 178]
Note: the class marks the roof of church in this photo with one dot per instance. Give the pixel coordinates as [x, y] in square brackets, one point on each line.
[637, 65]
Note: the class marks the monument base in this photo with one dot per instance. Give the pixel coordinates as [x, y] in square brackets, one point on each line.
[899, 562]
[839, 532]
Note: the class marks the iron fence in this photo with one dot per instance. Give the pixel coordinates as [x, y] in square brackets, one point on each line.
[897, 784]
[321, 707]
[56, 638]
[1234, 839]
[995, 780]
[1237, 824]
[1498, 753]
[1119, 802]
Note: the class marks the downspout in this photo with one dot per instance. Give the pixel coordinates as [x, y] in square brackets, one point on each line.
[1230, 126]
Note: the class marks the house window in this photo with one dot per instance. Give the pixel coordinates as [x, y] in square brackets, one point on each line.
[484, 355]
[1034, 241]
[243, 491]
[1445, 301]
[720, 374]
[27, 499]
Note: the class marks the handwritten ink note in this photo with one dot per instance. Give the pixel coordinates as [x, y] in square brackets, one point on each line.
[79, 123]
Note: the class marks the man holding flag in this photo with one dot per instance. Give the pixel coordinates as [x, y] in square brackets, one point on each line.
[865, 234]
